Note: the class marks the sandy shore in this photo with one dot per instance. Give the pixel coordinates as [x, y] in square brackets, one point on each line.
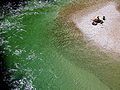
[106, 36]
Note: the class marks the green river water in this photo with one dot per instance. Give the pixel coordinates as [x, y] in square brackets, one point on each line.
[42, 53]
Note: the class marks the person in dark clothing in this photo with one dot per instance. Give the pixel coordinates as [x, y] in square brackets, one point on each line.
[104, 18]
[98, 20]
[94, 23]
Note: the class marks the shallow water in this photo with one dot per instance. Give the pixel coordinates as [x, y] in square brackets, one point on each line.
[104, 35]
[42, 53]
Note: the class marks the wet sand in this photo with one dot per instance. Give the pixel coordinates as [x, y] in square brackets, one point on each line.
[106, 36]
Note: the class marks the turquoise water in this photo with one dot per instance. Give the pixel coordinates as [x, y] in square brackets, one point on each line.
[42, 53]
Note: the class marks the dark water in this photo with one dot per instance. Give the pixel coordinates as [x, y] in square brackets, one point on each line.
[40, 53]
[5, 7]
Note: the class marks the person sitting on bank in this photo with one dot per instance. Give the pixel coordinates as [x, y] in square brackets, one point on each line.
[98, 20]
[104, 18]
